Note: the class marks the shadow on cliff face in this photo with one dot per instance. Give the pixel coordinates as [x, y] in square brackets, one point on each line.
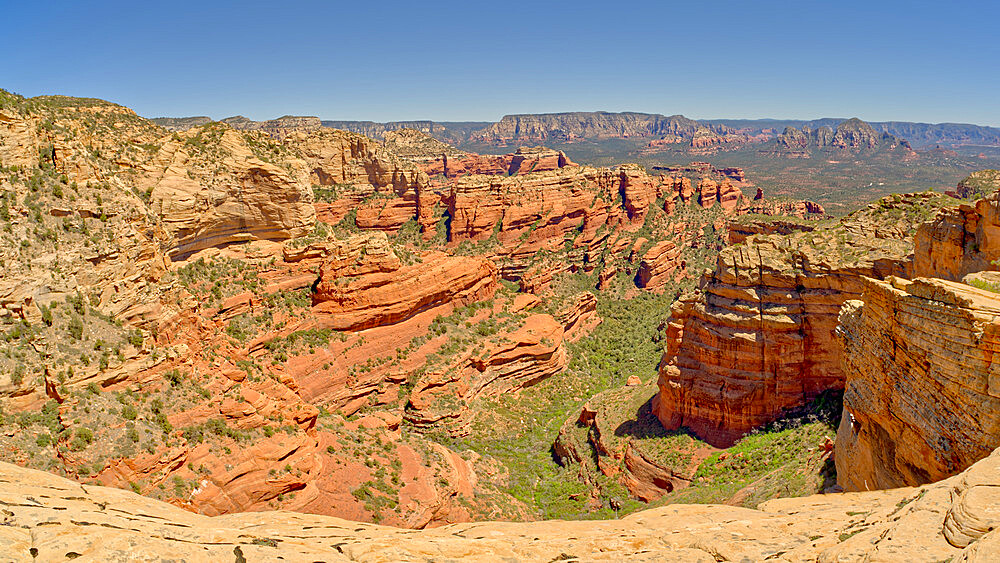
[646, 425]
[826, 408]
[786, 458]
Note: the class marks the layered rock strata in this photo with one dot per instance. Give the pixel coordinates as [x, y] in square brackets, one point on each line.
[363, 284]
[356, 176]
[757, 339]
[960, 240]
[606, 437]
[526, 159]
[248, 199]
[922, 398]
[740, 231]
[278, 127]
[850, 134]
[579, 125]
[590, 214]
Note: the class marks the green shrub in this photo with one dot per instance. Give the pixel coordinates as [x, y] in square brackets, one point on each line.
[46, 315]
[75, 327]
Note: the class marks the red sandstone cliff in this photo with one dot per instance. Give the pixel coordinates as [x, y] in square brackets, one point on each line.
[758, 338]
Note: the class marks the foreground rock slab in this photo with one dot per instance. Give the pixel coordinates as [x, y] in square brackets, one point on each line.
[48, 518]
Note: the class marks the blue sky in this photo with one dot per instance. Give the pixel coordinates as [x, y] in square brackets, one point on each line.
[878, 60]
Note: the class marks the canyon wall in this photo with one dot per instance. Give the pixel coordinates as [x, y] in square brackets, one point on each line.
[930, 342]
[210, 189]
[922, 398]
[757, 339]
[960, 240]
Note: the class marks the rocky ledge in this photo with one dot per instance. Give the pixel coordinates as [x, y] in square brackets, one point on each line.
[49, 518]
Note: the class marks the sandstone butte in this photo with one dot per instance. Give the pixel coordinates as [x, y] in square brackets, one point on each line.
[50, 518]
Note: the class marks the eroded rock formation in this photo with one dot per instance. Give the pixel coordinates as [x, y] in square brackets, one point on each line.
[207, 199]
[522, 161]
[960, 240]
[278, 127]
[852, 134]
[358, 177]
[758, 338]
[922, 400]
[363, 284]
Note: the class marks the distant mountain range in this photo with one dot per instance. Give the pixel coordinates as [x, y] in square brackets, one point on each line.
[577, 126]
[919, 135]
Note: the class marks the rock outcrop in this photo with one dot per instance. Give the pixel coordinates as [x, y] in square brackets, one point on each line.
[363, 284]
[211, 190]
[706, 170]
[979, 184]
[417, 145]
[960, 240]
[852, 134]
[660, 264]
[579, 317]
[589, 214]
[520, 358]
[758, 338]
[451, 132]
[276, 128]
[522, 161]
[607, 436]
[53, 519]
[181, 123]
[360, 178]
[740, 231]
[922, 398]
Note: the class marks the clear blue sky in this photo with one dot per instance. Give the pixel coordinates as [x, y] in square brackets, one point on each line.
[381, 60]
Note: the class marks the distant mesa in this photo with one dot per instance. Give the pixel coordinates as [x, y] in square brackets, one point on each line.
[850, 134]
[590, 125]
